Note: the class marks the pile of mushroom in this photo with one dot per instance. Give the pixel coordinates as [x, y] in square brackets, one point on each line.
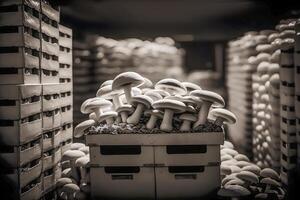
[74, 183]
[169, 105]
[241, 178]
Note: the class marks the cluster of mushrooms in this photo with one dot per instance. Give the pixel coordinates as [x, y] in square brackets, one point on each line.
[243, 179]
[133, 99]
[74, 183]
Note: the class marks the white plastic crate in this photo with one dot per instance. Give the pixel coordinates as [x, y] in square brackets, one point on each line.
[51, 158]
[67, 132]
[16, 132]
[19, 101]
[51, 139]
[19, 36]
[51, 119]
[66, 114]
[18, 13]
[181, 182]
[51, 97]
[122, 182]
[17, 156]
[21, 177]
[19, 65]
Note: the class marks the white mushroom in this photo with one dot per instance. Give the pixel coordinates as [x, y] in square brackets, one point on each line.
[124, 111]
[172, 86]
[187, 119]
[154, 116]
[82, 163]
[191, 86]
[83, 128]
[72, 156]
[222, 116]
[96, 105]
[142, 103]
[106, 92]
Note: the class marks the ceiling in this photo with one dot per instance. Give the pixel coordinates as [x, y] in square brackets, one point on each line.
[196, 19]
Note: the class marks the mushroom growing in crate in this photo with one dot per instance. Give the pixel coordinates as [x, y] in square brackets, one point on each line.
[154, 116]
[169, 107]
[72, 156]
[82, 128]
[222, 116]
[142, 103]
[97, 105]
[107, 93]
[124, 111]
[187, 119]
[172, 86]
[125, 81]
[191, 86]
[208, 99]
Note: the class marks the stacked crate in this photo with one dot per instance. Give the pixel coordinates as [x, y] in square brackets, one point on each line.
[287, 102]
[83, 72]
[66, 86]
[239, 84]
[154, 166]
[21, 103]
[297, 89]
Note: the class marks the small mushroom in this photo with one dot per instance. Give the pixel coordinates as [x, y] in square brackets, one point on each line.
[228, 145]
[108, 116]
[170, 107]
[242, 163]
[72, 156]
[124, 111]
[61, 182]
[105, 83]
[231, 152]
[223, 116]
[252, 168]
[226, 157]
[76, 146]
[163, 93]
[82, 164]
[188, 119]
[97, 105]
[269, 183]
[241, 157]
[248, 177]
[85, 149]
[172, 86]
[142, 102]
[235, 169]
[233, 191]
[154, 116]
[191, 86]
[126, 81]
[209, 98]
[107, 93]
[235, 182]
[67, 173]
[225, 170]
[155, 96]
[83, 128]
[146, 84]
[269, 173]
[69, 190]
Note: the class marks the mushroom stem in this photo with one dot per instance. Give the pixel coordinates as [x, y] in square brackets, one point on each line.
[110, 121]
[203, 113]
[116, 101]
[151, 122]
[166, 124]
[124, 116]
[127, 91]
[83, 175]
[135, 117]
[219, 121]
[186, 125]
[98, 112]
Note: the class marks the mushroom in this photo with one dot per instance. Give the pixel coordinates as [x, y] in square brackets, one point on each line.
[142, 102]
[248, 177]
[242, 163]
[269, 183]
[76, 146]
[124, 111]
[170, 107]
[252, 168]
[226, 157]
[66, 173]
[82, 164]
[187, 121]
[106, 92]
[155, 96]
[235, 169]
[154, 115]
[68, 191]
[93, 116]
[241, 157]
[209, 98]
[235, 182]
[231, 152]
[233, 191]
[108, 117]
[163, 93]
[269, 173]
[191, 86]
[72, 156]
[126, 81]
[105, 83]
[146, 84]
[85, 149]
[61, 182]
[96, 105]
[222, 115]
[83, 128]
[225, 170]
[228, 145]
[172, 86]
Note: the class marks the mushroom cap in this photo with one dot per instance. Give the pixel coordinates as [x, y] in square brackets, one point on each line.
[146, 84]
[105, 83]
[228, 145]
[94, 104]
[233, 191]
[176, 106]
[93, 116]
[66, 173]
[163, 93]
[70, 188]
[72, 154]
[106, 92]
[192, 100]
[153, 95]
[261, 196]
[188, 117]
[142, 99]
[191, 86]
[241, 157]
[248, 176]
[226, 157]
[229, 151]
[157, 113]
[236, 181]
[235, 169]
[243, 163]
[107, 115]
[191, 109]
[76, 146]
[275, 80]
[82, 161]
[125, 108]
[127, 78]
[225, 170]
[63, 181]
[273, 68]
[226, 115]
[268, 172]
[86, 101]
[263, 67]
[85, 149]
[209, 96]
[82, 127]
[270, 181]
[172, 86]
